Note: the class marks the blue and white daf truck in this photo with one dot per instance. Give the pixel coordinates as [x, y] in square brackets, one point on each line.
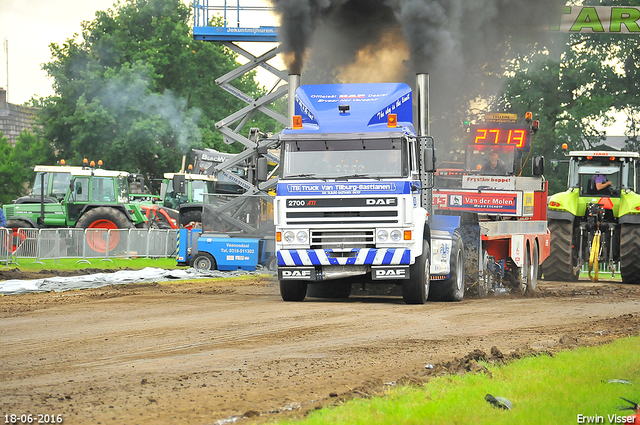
[353, 199]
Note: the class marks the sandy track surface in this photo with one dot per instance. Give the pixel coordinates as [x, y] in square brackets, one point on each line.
[214, 350]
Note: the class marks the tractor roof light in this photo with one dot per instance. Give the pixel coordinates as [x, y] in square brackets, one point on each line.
[92, 164]
[85, 161]
[100, 163]
[63, 162]
[528, 116]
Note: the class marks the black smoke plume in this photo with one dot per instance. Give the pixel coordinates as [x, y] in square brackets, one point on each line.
[463, 45]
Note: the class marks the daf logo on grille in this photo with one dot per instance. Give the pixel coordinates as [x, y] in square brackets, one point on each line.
[380, 201]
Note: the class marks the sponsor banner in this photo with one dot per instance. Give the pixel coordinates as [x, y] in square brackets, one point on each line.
[483, 202]
[598, 20]
[489, 182]
[343, 188]
[440, 200]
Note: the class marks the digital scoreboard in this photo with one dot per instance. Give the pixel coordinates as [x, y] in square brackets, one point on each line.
[509, 135]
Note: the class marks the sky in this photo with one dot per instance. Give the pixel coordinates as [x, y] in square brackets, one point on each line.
[30, 26]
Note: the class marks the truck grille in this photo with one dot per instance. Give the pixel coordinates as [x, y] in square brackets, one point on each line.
[342, 217]
[340, 239]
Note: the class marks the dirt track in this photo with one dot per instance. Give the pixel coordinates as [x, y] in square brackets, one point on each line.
[199, 353]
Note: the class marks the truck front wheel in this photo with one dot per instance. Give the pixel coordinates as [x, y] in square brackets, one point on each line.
[293, 290]
[416, 289]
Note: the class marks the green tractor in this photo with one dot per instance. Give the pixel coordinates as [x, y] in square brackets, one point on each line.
[81, 197]
[597, 220]
[182, 194]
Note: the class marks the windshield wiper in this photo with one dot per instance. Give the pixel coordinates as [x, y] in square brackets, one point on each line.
[352, 176]
[296, 176]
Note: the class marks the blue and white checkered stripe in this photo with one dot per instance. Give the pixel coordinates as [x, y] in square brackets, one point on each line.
[320, 257]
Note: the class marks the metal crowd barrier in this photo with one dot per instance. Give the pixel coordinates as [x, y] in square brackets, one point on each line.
[5, 248]
[86, 244]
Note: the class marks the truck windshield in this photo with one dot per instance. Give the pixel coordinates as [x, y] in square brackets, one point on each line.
[335, 159]
[491, 160]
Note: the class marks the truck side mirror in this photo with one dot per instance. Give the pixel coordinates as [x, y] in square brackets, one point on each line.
[178, 183]
[262, 169]
[538, 165]
[429, 159]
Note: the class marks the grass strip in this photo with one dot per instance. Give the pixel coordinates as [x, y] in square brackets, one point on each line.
[28, 265]
[544, 389]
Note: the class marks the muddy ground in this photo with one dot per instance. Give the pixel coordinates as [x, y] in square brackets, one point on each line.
[216, 350]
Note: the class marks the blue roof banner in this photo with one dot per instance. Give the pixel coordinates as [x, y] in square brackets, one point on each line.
[368, 107]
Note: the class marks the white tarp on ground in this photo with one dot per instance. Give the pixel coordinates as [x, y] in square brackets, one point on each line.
[149, 274]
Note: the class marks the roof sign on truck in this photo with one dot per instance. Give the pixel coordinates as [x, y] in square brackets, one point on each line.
[323, 108]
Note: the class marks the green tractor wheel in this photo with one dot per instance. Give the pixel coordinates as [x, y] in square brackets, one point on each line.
[99, 221]
[630, 253]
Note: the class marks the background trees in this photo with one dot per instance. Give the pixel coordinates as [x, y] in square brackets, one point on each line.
[138, 92]
[16, 162]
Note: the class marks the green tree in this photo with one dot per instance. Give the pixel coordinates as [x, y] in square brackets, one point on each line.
[575, 91]
[138, 92]
[17, 162]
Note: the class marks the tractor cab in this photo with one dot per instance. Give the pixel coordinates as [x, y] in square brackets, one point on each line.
[603, 173]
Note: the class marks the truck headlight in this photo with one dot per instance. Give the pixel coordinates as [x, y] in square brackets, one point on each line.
[289, 237]
[383, 235]
[396, 236]
[302, 236]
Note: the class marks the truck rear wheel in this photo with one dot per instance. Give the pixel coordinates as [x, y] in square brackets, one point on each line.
[451, 289]
[485, 282]
[416, 289]
[630, 253]
[562, 257]
[534, 270]
[524, 276]
[99, 220]
[293, 290]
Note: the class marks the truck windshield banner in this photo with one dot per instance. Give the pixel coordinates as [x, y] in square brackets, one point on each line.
[598, 19]
[344, 188]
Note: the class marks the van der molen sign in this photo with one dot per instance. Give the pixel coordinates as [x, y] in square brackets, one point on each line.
[599, 19]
